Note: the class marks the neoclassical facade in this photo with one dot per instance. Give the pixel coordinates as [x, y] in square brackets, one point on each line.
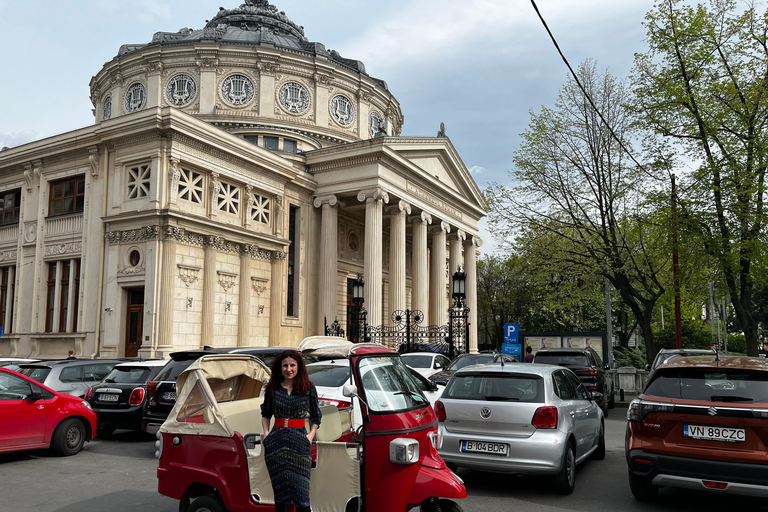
[237, 178]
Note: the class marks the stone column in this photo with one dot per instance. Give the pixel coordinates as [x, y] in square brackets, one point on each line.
[470, 264]
[9, 296]
[70, 320]
[373, 249]
[209, 292]
[329, 237]
[455, 241]
[244, 300]
[397, 295]
[420, 275]
[57, 297]
[438, 304]
[167, 274]
[275, 298]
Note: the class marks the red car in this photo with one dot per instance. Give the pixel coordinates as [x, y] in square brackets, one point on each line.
[33, 416]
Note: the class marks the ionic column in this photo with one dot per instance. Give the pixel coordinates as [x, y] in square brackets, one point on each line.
[244, 300]
[329, 236]
[374, 200]
[397, 295]
[420, 275]
[167, 274]
[470, 264]
[455, 241]
[209, 291]
[275, 297]
[438, 305]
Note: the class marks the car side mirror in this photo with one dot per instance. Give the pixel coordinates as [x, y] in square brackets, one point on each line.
[431, 385]
[438, 366]
[596, 396]
[35, 395]
[349, 390]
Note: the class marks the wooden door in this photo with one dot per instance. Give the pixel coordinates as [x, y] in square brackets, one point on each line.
[134, 322]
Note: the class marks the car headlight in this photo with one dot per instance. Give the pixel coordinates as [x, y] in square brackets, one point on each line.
[404, 451]
[86, 404]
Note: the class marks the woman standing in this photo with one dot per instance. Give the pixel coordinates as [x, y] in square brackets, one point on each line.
[291, 398]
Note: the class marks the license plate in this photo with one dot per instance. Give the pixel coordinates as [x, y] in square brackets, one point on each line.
[729, 435]
[169, 395]
[483, 447]
[108, 398]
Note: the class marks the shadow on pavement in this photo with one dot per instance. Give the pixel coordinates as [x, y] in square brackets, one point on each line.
[123, 501]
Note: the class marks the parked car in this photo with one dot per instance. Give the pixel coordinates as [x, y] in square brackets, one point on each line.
[72, 376]
[443, 376]
[587, 365]
[701, 423]
[426, 363]
[667, 354]
[527, 419]
[14, 363]
[118, 400]
[436, 348]
[330, 377]
[34, 416]
[161, 391]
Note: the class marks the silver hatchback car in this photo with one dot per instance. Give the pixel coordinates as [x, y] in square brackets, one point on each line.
[525, 419]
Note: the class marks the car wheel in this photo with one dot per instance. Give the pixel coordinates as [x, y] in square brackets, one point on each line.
[68, 438]
[612, 400]
[599, 453]
[565, 480]
[642, 489]
[104, 431]
[207, 503]
[436, 505]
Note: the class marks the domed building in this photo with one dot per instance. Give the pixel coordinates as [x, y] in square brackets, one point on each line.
[236, 181]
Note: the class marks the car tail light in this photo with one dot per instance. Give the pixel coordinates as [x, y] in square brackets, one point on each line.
[545, 417]
[593, 386]
[340, 404]
[639, 409]
[714, 485]
[88, 394]
[137, 396]
[440, 411]
[151, 387]
[587, 373]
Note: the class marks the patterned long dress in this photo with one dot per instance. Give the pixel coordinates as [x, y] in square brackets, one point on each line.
[287, 451]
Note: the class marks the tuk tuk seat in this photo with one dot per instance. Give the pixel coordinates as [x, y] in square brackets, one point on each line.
[243, 416]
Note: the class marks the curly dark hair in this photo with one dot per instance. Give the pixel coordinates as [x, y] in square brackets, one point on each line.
[301, 382]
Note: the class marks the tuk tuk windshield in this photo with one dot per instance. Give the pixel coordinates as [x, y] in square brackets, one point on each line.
[389, 385]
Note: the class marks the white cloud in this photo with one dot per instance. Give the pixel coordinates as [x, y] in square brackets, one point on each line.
[13, 139]
[476, 169]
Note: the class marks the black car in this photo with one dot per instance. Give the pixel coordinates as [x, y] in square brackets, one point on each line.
[587, 365]
[118, 400]
[442, 377]
[161, 392]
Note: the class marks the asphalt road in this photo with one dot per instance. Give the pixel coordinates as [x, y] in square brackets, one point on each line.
[117, 474]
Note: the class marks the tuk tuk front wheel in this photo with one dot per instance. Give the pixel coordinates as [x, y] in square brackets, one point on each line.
[209, 503]
[438, 505]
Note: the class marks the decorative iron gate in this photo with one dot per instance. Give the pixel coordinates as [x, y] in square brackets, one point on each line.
[407, 334]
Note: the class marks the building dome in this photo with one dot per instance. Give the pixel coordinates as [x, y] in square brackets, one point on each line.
[252, 71]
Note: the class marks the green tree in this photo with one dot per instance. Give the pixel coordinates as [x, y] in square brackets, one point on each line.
[575, 182]
[702, 86]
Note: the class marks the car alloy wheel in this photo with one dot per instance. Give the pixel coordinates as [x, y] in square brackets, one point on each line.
[565, 480]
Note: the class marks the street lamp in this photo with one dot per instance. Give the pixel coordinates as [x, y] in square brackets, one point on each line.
[458, 315]
[358, 286]
[459, 285]
[358, 316]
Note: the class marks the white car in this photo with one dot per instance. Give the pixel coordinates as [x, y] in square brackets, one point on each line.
[426, 363]
[330, 377]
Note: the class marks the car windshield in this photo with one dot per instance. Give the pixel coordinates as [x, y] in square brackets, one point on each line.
[417, 361]
[38, 373]
[501, 387]
[127, 376]
[562, 359]
[663, 358]
[327, 375]
[389, 386]
[461, 362]
[173, 369]
[710, 384]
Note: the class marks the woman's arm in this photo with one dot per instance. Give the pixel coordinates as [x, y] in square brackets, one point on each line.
[312, 432]
[264, 426]
[314, 413]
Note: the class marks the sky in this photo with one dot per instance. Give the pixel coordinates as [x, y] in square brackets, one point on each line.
[479, 66]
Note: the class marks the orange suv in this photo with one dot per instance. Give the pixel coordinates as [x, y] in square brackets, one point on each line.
[701, 423]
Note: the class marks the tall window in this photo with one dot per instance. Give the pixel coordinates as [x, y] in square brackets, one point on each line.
[9, 207]
[62, 296]
[294, 221]
[67, 196]
[6, 298]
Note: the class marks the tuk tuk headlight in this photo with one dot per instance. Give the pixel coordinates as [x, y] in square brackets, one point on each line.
[404, 451]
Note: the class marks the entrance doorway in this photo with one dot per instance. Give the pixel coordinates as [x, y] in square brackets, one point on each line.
[134, 322]
[349, 307]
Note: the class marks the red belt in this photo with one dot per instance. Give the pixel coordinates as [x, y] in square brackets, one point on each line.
[289, 422]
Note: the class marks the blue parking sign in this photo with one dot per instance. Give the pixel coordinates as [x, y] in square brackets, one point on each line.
[512, 348]
[511, 332]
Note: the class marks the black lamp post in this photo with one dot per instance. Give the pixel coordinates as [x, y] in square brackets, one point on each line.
[358, 315]
[458, 314]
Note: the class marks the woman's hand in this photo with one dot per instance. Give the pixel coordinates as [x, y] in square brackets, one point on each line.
[310, 436]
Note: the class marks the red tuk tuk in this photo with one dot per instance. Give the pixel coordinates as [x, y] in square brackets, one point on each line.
[211, 458]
